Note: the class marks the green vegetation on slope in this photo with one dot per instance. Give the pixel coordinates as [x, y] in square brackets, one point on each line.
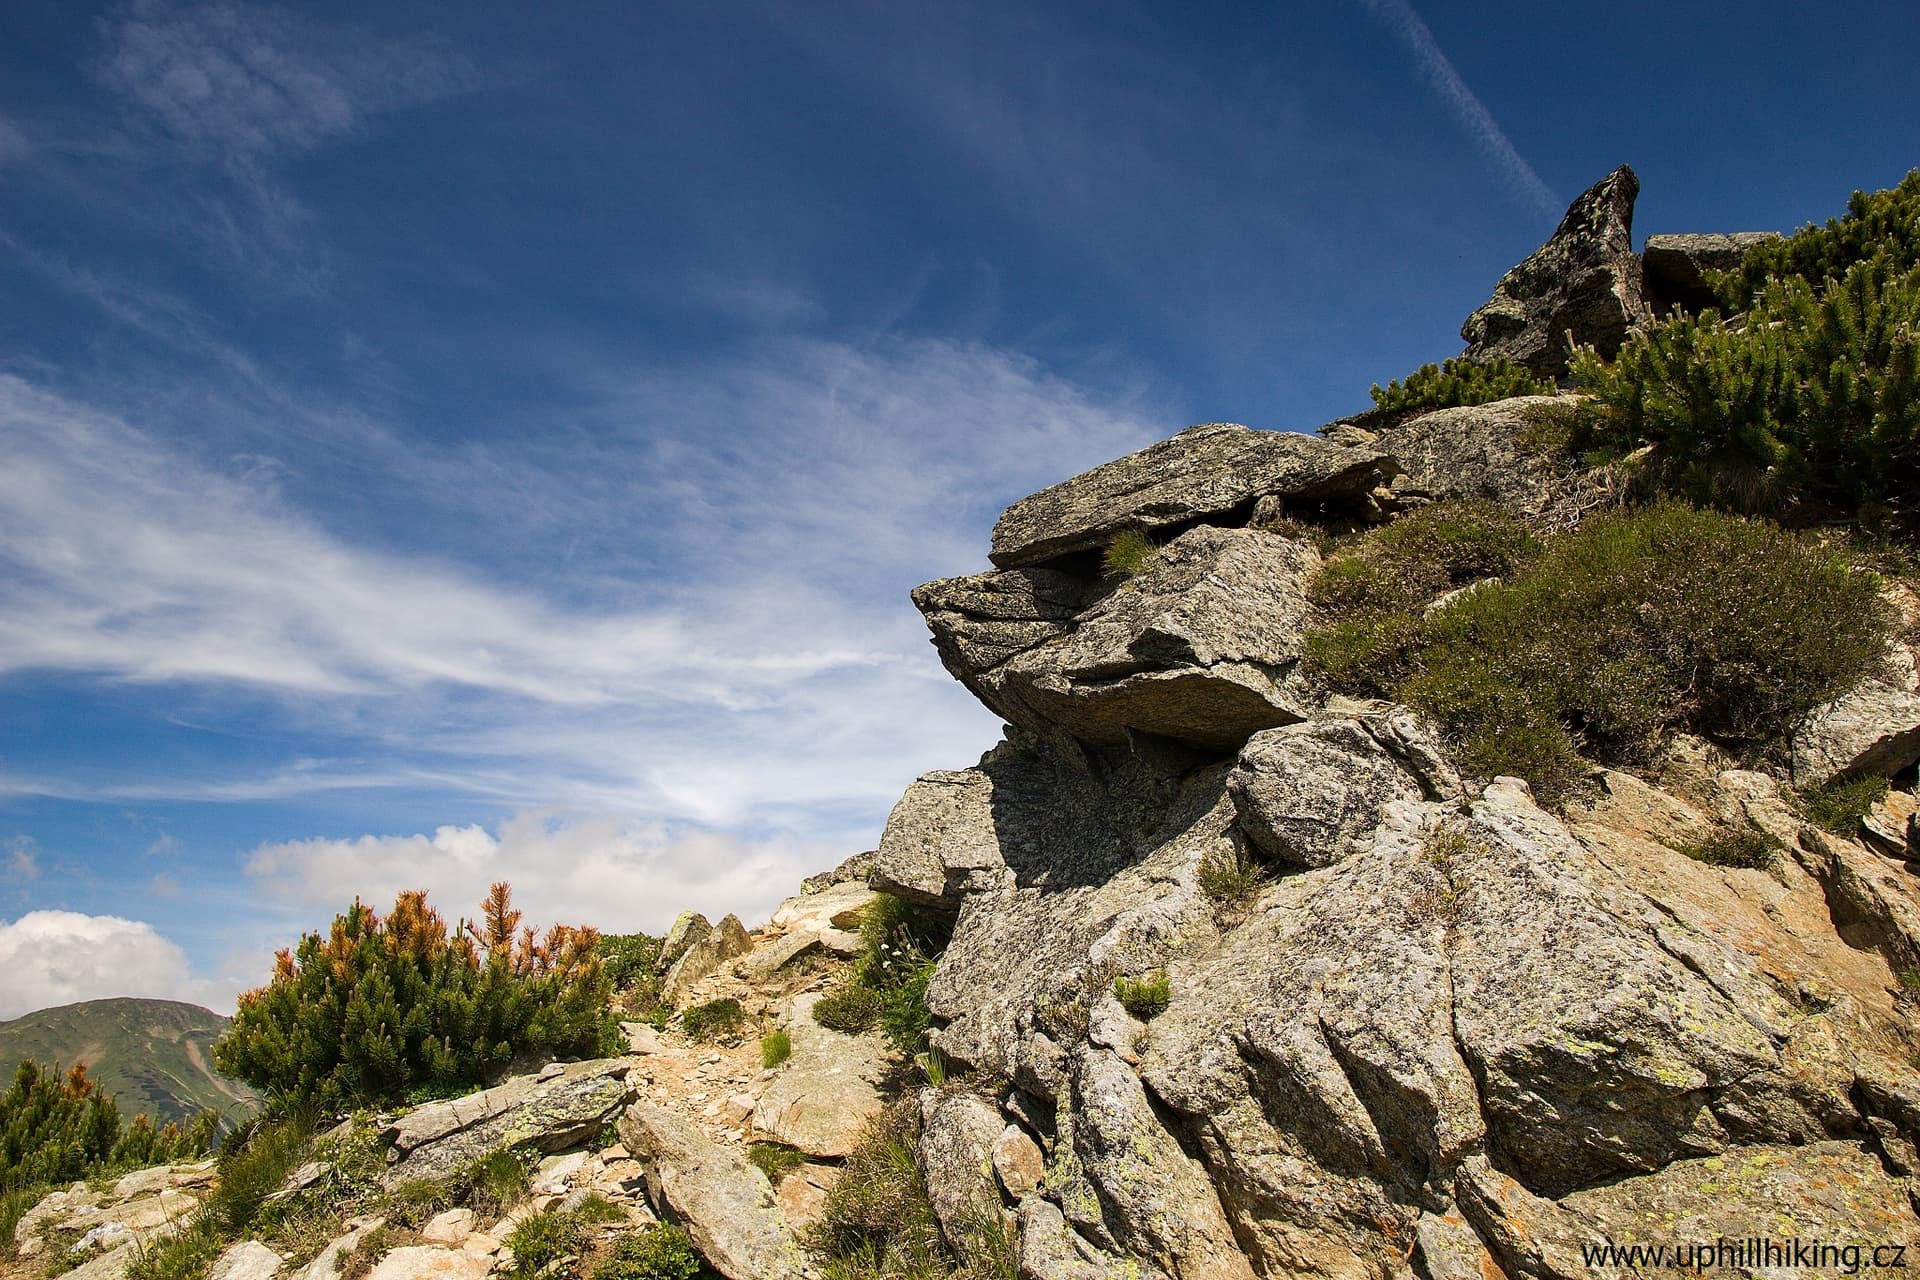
[900, 944]
[1636, 623]
[153, 1057]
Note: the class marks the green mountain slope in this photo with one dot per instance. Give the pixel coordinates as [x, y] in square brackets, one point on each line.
[153, 1056]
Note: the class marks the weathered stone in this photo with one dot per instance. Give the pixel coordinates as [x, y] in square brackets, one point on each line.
[1051, 1250]
[802, 1195]
[957, 1133]
[1585, 285]
[248, 1260]
[435, 1140]
[452, 1227]
[1205, 471]
[111, 1265]
[1489, 452]
[688, 928]
[727, 940]
[1311, 794]
[327, 1263]
[725, 1203]
[429, 1262]
[642, 1038]
[852, 871]
[828, 1088]
[1874, 729]
[1196, 647]
[1018, 1162]
[940, 841]
[1450, 1250]
[838, 906]
[1676, 266]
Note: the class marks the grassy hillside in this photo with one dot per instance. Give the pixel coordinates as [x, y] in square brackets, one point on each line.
[153, 1056]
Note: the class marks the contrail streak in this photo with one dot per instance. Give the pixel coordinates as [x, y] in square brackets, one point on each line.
[1469, 110]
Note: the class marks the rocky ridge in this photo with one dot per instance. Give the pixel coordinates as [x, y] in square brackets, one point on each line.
[1451, 1033]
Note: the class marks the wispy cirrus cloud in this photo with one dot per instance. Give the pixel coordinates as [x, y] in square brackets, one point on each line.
[1439, 73]
[236, 81]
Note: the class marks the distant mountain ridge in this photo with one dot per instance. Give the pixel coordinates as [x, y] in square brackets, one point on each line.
[153, 1056]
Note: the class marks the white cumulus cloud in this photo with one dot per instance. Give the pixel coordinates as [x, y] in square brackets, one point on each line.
[59, 957]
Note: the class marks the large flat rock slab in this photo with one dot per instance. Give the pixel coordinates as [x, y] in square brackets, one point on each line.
[1205, 471]
[547, 1114]
[726, 1205]
[823, 1095]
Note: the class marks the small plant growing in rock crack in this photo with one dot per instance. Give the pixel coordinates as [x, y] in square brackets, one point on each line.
[1439, 902]
[1127, 553]
[1744, 847]
[775, 1048]
[714, 1020]
[1233, 880]
[1839, 805]
[1145, 998]
[775, 1159]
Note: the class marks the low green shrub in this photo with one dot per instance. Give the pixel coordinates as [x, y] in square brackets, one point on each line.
[1743, 847]
[1127, 553]
[1460, 381]
[1839, 805]
[1877, 223]
[381, 1007]
[1145, 998]
[1632, 625]
[544, 1238]
[659, 1253]
[775, 1048]
[719, 1019]
[888, 988]
[775, 1159]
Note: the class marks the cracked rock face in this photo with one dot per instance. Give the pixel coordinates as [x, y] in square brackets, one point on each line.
[1586, 283]
[1451, 1034]
[1199, 647]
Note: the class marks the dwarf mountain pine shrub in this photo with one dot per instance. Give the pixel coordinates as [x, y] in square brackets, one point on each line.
[382, 1006]
[1807, 400]
[1460, 381]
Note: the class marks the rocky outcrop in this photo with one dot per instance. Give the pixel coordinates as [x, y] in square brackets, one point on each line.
[1582, 287]
[547, 1112]
[1206, 471]
[1488, 452]
[1451, 1030]
[1198, 647]
[1677, 266]
[703, 956]
[135, 1210]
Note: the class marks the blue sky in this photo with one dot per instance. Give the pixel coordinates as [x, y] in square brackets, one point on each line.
[454, 442]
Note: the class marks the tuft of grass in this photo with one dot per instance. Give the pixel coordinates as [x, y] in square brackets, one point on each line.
[1233, 880]
[720, 1019]
[775, 1159]
[877, 1222]
[1839, 805]
[1744, 847]
[851, 1008]
[775, 1048]
[500, 1179]
[1145, 998]
[360, 1260]
[543, 1239]
[1129, 551]
[658, 1253]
